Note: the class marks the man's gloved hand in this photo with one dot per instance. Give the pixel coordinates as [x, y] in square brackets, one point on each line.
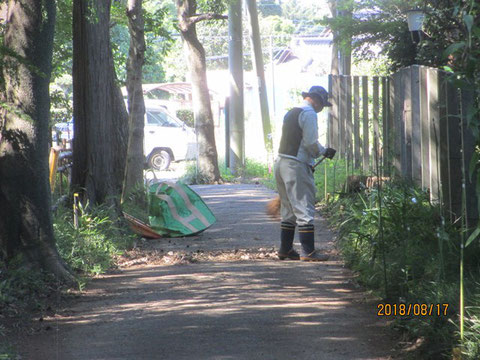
[329, 153]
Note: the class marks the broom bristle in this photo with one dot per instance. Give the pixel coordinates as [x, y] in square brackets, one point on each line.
[273, 207]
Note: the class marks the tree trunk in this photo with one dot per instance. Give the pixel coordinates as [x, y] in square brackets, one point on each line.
[100, 117]
[344, 9]
[202, 109]
[334, 70]
[25, 218]
[136, 103]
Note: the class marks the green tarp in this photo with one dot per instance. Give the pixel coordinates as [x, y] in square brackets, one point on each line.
[175, 210]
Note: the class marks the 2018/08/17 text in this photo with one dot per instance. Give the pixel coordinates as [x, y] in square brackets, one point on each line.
[412, 309]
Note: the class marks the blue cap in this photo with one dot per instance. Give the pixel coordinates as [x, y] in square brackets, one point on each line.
[318, 92]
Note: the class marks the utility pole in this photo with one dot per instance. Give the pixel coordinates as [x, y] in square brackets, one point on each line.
[259, 69]
[272, 69]
[235, 65]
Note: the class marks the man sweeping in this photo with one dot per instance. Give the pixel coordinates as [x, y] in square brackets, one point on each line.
[299, 147]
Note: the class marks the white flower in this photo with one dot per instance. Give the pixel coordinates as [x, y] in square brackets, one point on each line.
[414, 200]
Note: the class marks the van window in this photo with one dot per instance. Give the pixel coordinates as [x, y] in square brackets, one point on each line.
[160, 119]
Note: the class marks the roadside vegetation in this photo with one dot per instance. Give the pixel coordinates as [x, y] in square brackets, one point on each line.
[403, 251]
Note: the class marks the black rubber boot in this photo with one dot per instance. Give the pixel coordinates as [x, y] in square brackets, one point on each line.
[287, 234]
[307, 239]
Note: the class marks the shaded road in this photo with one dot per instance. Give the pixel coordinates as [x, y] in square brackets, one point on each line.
[250, 309]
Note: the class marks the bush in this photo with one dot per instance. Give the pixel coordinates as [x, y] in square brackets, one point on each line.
[91, 248]
[187, 117]
[402, 248]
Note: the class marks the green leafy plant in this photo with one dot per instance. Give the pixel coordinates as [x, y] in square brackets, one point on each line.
[186, 116]
[421, 261]
[90, 248]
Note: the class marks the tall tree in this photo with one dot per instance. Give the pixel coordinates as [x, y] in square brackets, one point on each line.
[100, 117]
[136, 103]
[25, 217]
[207, 151]
[334, 66]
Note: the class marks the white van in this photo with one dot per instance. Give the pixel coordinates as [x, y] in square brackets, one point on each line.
[166, 137]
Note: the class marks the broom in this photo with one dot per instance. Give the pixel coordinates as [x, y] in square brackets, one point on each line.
[273, 206]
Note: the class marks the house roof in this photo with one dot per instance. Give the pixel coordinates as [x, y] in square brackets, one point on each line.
[172, 88]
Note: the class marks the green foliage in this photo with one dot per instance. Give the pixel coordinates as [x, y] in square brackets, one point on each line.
[269, 8]
[62, 44]
[252, 170]
[409, 223]
[186, 116]
[385, 26]
[61, 106]
[7, 352]
[406, 252]
[462, 61]
[120, 40]
[225, 174]
[337, 171]
[157, 37]
[255, 169]
[378, 23]
[21, 288]
[212, 6]
[91, 248]
[471, 344]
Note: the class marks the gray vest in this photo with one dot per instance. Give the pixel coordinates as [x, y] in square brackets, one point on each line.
[292, 133]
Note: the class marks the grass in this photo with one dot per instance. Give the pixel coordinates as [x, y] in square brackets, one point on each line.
[90, 249]
[7, 352]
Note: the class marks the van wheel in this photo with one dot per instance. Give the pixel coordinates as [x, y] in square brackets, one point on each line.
[159, 160]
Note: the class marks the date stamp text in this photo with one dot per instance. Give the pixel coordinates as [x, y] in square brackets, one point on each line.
[417, 309]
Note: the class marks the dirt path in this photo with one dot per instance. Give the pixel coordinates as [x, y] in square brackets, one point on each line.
[233, 305]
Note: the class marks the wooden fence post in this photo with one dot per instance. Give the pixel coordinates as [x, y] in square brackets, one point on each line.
[399, 135]
[454, 151]
[444, 158]
[356, 120]
[407, 124]
[366, 144]
[425, 127]
[416, 147]
[376, 130]
[434, 116]
[387, 128]
[348, 120]
[335, 113]
[342, 105]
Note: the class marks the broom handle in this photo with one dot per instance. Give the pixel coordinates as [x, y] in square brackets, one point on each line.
[319, 161]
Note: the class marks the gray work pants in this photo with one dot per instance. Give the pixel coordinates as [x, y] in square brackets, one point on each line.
[296, 187]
